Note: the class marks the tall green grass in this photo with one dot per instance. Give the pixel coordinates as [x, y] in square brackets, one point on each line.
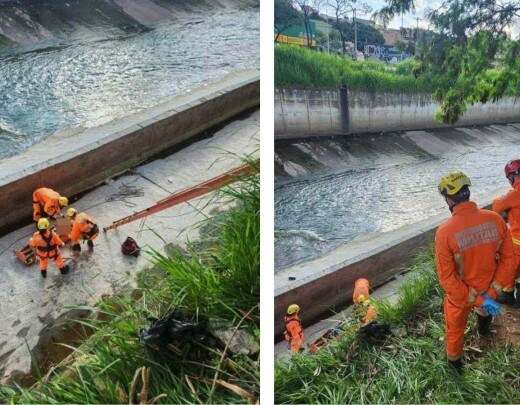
[224, 278]
[219, 280]
[302, 67]
[407, 369]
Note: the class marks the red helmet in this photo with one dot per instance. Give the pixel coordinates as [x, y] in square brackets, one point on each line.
[512, 168]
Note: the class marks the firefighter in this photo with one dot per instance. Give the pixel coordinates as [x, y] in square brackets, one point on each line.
[293, 329]
[509, 207]
[474, 259]
[47, 244]
[83, 228]
[363, 309]
[47, 203]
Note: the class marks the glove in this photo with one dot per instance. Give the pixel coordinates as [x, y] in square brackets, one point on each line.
[490, 306]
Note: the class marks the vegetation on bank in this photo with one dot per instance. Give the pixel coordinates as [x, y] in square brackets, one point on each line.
[216, 279]
[411, 368]
[302, 67]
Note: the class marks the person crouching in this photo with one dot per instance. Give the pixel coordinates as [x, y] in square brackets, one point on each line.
[83, 228]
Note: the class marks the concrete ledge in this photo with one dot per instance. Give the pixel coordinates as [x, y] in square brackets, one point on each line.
[77, 160]
[303, 113]
[326, 284]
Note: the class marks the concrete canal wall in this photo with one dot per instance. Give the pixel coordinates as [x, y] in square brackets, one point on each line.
[301, 113]
[75, 161]
[326, 284]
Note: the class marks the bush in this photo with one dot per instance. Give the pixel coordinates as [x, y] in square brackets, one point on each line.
[302, 67]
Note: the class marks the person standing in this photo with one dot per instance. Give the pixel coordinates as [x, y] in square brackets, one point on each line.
[474, 260]
[47, 245]
[508, 206]
[293, 329]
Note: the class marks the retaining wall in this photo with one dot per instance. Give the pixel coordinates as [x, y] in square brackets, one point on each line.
[77, 161]
[326, 284]
[301, 113]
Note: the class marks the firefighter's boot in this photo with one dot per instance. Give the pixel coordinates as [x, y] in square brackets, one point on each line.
[65, 269]
[507, 298]
[484, 325]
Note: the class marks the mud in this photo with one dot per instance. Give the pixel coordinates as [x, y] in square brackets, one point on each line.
[507, 326]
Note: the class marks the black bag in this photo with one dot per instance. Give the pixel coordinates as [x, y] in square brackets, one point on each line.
[178, 333]
[130, 247]
[373, 332]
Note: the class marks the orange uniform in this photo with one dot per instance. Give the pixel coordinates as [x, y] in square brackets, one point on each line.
[84, 228]
[47, 246]
[293, 332]
[45, 203]
[365, 311]
[474, 255]
[510, 203]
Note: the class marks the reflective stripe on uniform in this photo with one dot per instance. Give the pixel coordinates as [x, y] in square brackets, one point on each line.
[516, 241]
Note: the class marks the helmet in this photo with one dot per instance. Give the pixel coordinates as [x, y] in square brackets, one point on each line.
[71, 212]
[64, 201]
[453, 182]
[512, 168]
[361, 299]
[293, 309]
[43, 224]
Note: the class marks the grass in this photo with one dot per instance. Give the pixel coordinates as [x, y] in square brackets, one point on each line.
[302, 67]
[219, 281]
[407, 369]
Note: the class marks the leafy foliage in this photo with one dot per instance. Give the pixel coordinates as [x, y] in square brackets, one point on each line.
[470, 49]
[285, 15]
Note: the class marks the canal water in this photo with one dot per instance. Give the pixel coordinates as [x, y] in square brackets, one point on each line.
[92, 82]
[332, 191]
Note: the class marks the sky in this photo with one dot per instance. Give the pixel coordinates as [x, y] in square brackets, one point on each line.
[410, 19]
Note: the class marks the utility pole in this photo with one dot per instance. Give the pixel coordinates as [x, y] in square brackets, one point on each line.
[355, 32]
[417, 31]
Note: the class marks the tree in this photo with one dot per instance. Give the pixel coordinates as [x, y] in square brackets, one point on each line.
[470, 53]
[342, 9]
[309, 8]
[285, 15]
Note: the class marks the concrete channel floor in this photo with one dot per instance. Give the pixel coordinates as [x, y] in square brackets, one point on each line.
[30, 304]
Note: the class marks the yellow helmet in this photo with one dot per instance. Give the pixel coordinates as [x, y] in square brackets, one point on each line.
[361, 299]
[453, 182]
[64, 201]
[43, 224]
[293, 309]
[71, 212]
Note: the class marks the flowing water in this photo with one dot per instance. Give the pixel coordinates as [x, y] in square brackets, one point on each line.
[91, 82]
[331, 191]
